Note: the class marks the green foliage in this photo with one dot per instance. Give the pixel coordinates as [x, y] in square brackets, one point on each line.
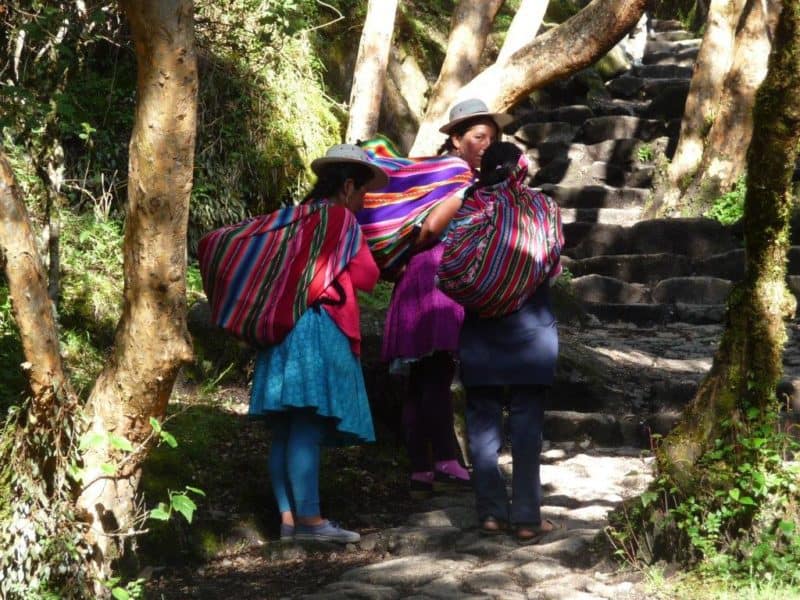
[740, 522]
[43, 554]
[645, 153]
[729, 208]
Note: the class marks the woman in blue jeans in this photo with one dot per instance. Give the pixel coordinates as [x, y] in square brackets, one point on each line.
[508, 360]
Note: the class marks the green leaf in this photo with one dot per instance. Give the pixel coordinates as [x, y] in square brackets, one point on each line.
[747, 500]
[648, 498]
[120, 443]
[155, 424]
[92, 439]
[195, 490]
[160, 513]
[120, 593]
[184, 505]
[108, 469]
[734, 493]
[787, 527]
[169, 439]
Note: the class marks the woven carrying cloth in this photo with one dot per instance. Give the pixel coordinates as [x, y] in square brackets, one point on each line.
[415, 186]
[262, 274]
[502, 244]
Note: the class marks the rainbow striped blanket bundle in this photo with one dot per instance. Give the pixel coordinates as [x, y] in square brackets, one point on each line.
[416, 185]
[503, 243]
[262, 274]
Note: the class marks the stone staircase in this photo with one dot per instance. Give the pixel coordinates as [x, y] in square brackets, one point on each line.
[655, 288]
[595, 156]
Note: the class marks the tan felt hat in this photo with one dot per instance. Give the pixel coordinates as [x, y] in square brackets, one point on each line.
[471, 108]
[350, 153]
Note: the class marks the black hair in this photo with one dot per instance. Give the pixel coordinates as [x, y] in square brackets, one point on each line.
[460, 129]
[498, 161]
[331, 178]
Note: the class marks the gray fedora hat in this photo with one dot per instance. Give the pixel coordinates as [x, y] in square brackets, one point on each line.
[350, 153]
[470, 109]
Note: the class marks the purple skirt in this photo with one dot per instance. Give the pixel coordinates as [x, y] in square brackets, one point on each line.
[421, 319]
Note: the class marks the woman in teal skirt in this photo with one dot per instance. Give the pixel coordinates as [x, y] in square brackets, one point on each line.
[310, 385]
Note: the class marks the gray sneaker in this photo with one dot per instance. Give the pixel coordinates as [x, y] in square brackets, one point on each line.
[287, 532]
[327, 531]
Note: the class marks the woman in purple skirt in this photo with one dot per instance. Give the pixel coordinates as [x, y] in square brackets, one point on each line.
[423, 325]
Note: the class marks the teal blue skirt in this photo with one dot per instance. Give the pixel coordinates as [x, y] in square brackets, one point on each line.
[315, 369]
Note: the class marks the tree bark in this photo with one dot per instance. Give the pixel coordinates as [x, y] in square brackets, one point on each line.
[573, 45]
[724, 156]
[470, 26]
[31, 304]
[526, 23]
[702, 104]
[748, 363]
[152, 340]
[370, 70]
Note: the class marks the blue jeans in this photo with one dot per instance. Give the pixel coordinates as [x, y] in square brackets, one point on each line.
[294, 460]
[484, 413]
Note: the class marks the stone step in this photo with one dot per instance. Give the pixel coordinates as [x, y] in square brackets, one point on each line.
[676, 47]
[681, 58]
[609, 216]
[630, 86]
[606, 429]
[663, 71]
[568, 172]
[697, 238]
[661, 25]
[574, 114]
[610, 107]
[674, 35]
[626, 152]
[675, 290]
[632, 268]
[596, 196]
[600, 129]
[553, 132]
[654, 315]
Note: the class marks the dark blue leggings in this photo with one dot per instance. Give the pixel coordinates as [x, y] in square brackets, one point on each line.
[294, 460]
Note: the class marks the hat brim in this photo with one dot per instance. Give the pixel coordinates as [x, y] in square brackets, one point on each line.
[379, 178]
[500, 119]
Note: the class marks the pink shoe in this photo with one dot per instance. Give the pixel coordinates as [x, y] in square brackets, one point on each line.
[451, 472]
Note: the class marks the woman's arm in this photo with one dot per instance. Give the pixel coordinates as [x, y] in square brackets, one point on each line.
[437, 221]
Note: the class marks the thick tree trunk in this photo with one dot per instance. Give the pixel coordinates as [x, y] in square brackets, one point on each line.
[702, 104]
[152, 341]
[524, 25]
[471, 24]
[370, 70]
[573, 45]
[748, 364]
[724, 155]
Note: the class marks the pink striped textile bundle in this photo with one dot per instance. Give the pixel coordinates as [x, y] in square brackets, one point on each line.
[262, 274]
[415, 186]
[503, 243]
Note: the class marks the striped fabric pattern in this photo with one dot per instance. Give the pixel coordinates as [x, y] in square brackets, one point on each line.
[503, 243]
[415, 186]
[262, 274]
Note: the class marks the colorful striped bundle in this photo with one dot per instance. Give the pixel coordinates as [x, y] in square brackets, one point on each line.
[415, 186]
[262, 274]
[502, 244]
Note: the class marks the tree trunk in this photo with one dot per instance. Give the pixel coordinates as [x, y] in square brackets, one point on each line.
[573, 45]
[471, 24]
[526, 23]
[724, 155]
[31, 304]
[152, 340]
[702, 104]
[748, 364]
[370, 70]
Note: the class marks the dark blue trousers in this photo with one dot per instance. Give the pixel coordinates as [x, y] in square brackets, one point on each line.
[484, 414]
